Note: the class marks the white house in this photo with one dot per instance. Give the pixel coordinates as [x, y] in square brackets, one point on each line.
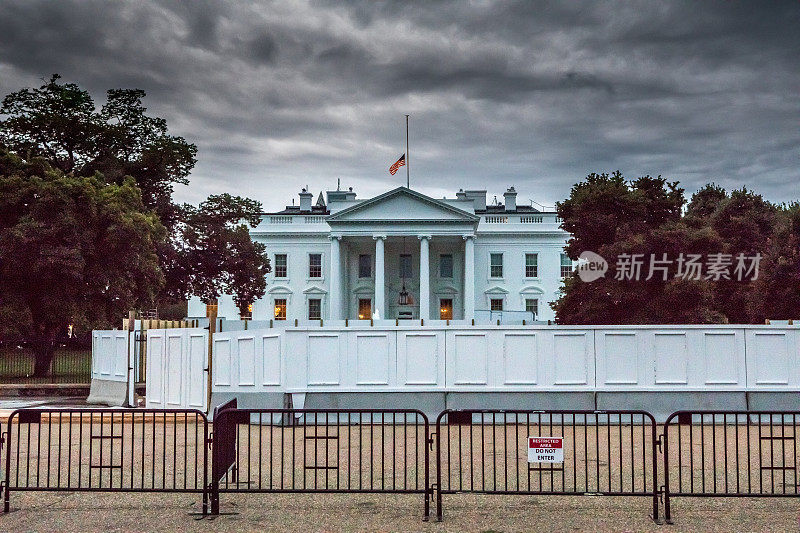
[405, 255]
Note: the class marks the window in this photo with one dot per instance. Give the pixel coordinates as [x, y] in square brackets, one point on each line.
[248, 313]
[446, 266]
[364, 266]
[446, 309]
[496, 304]
[314, 265]
[566, 266]
[531, 265]
[314, 309]
[211, 308]
[532, 306]
[280, 265]
[405, 265]
[364, 308]
[280, 309]
[496, 265]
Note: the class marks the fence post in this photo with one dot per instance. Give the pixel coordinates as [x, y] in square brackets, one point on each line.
[665, 451]
[212, 324]
[131, 338]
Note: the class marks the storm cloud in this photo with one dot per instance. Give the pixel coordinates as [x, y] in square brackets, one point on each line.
[536, 95]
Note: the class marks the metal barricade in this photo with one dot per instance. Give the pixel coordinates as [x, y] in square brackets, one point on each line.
[106, 450]
[321, 451]
[730, 453]
[604, 453]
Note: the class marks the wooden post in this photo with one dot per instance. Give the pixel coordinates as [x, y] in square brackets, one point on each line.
[212, 326]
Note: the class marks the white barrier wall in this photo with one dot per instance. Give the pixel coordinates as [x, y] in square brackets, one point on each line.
[508, 358]
[176, 368]
[110, 355]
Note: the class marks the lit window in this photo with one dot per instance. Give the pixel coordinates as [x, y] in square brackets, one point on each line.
[364, 266]
[314, 309]
[532, 306]
[211, 308]
[566, 266]
[405, 265]
[280, 309]
[531, 265]
[446, 266]
[496, 304]
[364, 309]
[248, 314]
[496, 265]
[315, 265]
[446, 309]
[280, 265]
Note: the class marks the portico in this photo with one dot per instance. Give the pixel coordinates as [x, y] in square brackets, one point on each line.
[402, 255]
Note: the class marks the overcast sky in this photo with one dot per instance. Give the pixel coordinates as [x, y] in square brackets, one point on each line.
[536, 95]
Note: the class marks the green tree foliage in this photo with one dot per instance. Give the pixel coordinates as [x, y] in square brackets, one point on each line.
[215, 253]
[73, 250]
[617, 218]
[60, 123]
[205, 249]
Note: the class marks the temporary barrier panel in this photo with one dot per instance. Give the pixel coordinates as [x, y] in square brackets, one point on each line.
[177, 362]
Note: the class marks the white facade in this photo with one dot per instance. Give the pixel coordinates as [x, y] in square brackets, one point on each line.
[351, 259]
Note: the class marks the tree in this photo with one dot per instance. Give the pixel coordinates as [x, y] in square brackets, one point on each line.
[215, 254]
[205, 250]
[776, 292]
[73, 250]
[619, 219]
[60, 123]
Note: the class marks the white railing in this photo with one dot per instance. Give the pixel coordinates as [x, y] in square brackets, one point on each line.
[494, 219]
[280, 219]
[527, 219]
[314, 219]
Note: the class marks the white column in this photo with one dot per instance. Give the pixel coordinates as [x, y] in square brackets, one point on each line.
[469, 277]
[380, 282]
[424, 277]
[336, 280]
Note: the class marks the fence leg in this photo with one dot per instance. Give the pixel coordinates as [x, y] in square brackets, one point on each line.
[6, 498]
[215, 498]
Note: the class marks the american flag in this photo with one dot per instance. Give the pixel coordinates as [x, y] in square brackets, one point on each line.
[399, 163]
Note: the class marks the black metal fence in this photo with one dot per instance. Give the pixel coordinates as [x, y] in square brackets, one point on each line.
[730, 453]
[704, 453]
[106, 450]
[604, 452]
[320, 450]
[72, 363]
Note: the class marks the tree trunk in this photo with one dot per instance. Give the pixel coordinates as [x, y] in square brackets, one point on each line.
[43, 351]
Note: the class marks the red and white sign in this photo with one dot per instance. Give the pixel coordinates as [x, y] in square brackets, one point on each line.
[545, 449]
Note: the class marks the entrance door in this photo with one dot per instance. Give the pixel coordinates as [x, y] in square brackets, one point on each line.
[364, 308]
[446, 309]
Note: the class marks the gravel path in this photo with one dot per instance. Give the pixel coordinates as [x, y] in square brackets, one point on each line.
[308, 513]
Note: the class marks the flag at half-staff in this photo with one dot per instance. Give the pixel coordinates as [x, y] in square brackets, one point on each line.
[399, 163]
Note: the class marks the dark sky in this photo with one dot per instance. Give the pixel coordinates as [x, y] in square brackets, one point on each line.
[536, 95]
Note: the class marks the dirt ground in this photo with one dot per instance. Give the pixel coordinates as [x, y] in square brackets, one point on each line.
[327, 513]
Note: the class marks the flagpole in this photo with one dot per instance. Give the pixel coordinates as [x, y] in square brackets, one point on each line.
[408, 157]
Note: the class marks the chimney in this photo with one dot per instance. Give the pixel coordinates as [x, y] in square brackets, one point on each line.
[511, 199]
[461, 195]
[478, 197]
[305, 200]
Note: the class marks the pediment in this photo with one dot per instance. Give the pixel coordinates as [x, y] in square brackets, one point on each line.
[402, 205]
[315, 290]
[531, 289]
[496, 290]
